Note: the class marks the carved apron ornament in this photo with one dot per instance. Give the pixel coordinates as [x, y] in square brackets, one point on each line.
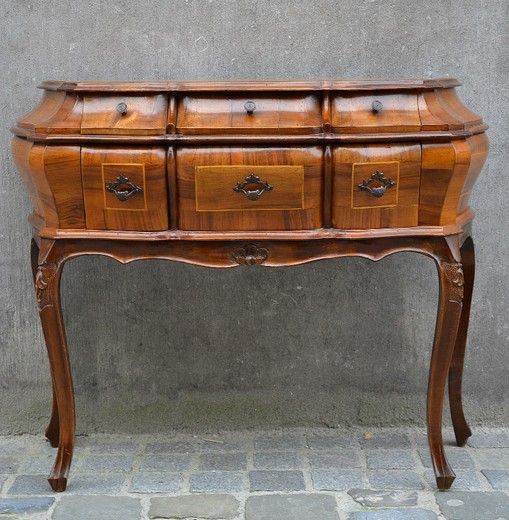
[43, 279]
[454, 274]
[250, 255]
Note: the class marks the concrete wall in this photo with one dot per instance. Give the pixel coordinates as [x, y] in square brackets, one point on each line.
[157, 345]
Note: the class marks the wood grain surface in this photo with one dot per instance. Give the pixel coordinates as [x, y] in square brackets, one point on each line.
[144, 167]
[295, 172]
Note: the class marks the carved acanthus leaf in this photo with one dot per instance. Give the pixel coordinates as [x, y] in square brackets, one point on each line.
[44, 278]
[454, 273]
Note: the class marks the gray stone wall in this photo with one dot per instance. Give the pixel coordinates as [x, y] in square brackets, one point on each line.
[156, 345]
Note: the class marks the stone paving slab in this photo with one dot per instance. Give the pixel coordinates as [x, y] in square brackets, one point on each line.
[337, 480]
[8, 464]
[390, 459]
[498, 478]
[157, 483]
[169, 462]
[107, 464]
[278, 460]
[489, 440]
[373, 498]
[328, 441]
[396, 514]
[291, 507]
[458, 458]
[97, 508]
[473, 505]
[217, 482]
[491, 458]
[192, 506]
[385, 439]
[395, 479]
[274, 480]
[223, 461]
[335, 459]
[25, 505]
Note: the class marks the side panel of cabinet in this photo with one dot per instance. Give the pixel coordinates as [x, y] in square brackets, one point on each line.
[376, 186]
[249, 188]
[125, 188]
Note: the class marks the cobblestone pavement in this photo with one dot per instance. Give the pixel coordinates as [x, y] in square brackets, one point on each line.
[298, 474]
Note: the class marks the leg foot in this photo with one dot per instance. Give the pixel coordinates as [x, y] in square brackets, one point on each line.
[444, 483]
[58, 484]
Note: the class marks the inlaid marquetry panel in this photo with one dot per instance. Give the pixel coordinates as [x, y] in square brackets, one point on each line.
[392, 202]
[216, 190]
[125, 188]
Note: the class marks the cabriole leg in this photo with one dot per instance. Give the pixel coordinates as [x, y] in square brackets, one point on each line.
[461, 429]
[47, 287]
[52, 430]
[449, 313]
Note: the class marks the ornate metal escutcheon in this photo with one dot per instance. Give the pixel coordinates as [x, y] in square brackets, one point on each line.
[249, 181]
[250, 255]
[377, 191]
[124, 194]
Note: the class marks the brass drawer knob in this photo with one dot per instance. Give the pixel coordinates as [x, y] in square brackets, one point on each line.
[250, 106]
[122, 108]
[377, 106]
[129, 189]
[253, 181]
[383, 184]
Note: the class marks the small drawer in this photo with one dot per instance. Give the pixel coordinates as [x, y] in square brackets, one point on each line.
[129, 114]
[376, 186]
[249, 113]
[250, 189]
[375, 112]
[125, 188]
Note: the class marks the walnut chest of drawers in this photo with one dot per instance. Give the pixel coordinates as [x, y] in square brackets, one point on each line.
[270, 173]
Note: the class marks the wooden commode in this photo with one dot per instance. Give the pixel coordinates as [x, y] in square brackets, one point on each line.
[273, 173]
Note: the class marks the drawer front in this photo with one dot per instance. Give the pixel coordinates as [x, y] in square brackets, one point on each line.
[256, 113]
[376, 112]
[249, 188]
[125, 188]
[376, 186]
[117, 114]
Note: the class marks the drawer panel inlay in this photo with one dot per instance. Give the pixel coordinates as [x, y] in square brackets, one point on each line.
[356, 208]
[208, 201]
[125, 188]
[224, 188]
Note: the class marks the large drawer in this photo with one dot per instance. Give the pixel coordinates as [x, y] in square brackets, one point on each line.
[376, 186]
[249, 188]
[125, 188]
[249, 113]
[124, 114]
[375, 112]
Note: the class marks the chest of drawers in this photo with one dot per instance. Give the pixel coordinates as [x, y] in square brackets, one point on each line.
[270, 173]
